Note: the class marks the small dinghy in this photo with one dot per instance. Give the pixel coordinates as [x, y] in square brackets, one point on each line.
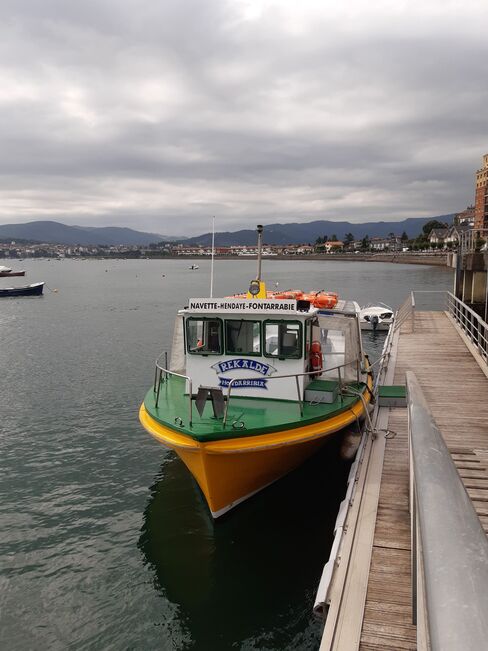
[35, 289]
[193, 266]
[376, 317]
[9, 274]
[7, 271]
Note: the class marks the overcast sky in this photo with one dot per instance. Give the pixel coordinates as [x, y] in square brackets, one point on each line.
[158, 114]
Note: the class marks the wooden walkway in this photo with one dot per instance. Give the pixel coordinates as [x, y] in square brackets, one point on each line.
[456, 390]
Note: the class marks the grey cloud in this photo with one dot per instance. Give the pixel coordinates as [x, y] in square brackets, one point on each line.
[155, 115]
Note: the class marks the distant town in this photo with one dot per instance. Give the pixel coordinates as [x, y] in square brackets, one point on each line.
[435, 237]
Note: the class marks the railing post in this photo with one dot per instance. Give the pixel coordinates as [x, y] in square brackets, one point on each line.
[158, 389]
[299, 396]
[412, 295]
[190, 391]
[229, 388]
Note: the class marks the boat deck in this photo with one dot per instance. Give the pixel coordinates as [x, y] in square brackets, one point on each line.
[258, 415]
[371, 608]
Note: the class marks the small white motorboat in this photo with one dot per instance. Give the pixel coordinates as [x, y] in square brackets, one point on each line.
[193, 266]
[376, 317]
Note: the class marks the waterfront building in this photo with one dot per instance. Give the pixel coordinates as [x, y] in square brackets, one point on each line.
[465, 217]
[438, 235]
[333, 247]
[481, 196]
[330, 246]
[380, 244]
[455, 231]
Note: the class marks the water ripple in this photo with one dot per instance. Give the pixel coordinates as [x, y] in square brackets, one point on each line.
[105, 542]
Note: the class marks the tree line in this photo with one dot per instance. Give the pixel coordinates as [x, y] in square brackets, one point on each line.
[419, 242]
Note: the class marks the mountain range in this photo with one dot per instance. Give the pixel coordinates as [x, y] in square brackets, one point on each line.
[304, 232]
[51, 232]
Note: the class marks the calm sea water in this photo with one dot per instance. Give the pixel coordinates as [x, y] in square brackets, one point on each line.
[105, 542]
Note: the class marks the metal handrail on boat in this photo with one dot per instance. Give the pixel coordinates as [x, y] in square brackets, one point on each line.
[167, 372]
[296, 376]
[449, 545]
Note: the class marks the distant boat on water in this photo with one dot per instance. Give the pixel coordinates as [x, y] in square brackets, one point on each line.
[7, 271]
[10, 274]
[35, 289]
[193, 266]
[376, 317]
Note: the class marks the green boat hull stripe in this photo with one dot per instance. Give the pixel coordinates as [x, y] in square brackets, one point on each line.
[258, 415]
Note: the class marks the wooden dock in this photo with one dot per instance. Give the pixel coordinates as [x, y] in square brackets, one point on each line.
[371, 592]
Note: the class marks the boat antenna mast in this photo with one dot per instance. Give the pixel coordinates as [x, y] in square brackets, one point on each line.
[257, 288]
[213, 255]
[259, 230]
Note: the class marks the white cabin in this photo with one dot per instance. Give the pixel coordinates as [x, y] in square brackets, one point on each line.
[257, 340]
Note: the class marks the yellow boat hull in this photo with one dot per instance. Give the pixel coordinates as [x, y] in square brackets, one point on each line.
[229, 471]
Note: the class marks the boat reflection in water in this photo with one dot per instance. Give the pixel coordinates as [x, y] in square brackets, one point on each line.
[248, 580]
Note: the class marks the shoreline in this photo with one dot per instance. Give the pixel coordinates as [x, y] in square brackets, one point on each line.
[392, 258]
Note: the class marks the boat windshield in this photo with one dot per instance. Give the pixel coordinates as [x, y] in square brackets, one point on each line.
[283, 339]
[204, 336]
[242, 337]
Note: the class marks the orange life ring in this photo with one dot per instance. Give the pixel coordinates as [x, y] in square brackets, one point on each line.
[325, 301]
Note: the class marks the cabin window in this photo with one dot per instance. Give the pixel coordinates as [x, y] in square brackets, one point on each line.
[204, 336]
[283, 339]
[242, 337]
[334, 351]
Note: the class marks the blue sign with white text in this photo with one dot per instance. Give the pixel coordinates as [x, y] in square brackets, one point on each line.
[245, 364]
[258, 383]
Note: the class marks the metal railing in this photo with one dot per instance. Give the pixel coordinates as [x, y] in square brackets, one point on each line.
[449, 546]
[404, 312]
[472, 240]
[162, 374]
[296, 376]
[158, 379]
[384, 359]
[470, 323]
